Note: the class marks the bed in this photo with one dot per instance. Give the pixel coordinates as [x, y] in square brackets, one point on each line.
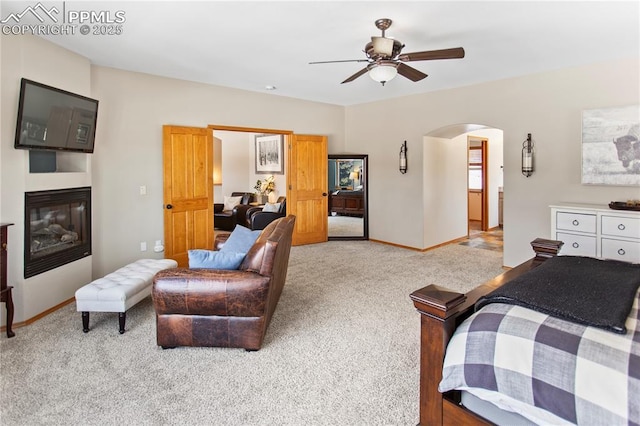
[514, 363]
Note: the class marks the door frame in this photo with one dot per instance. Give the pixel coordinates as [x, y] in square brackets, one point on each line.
[484, 209]
[290, 138]
[287, 134]
[219, 127]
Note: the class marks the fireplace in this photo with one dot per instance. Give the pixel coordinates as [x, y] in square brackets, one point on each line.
[57, 228]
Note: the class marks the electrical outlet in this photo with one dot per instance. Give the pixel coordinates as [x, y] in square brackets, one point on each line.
[143, 190]
[143, 246]
[158, 248]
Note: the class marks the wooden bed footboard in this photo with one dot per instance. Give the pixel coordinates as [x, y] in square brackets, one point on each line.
[441, 312]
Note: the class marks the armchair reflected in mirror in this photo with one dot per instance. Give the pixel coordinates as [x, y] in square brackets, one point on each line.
[348, 197]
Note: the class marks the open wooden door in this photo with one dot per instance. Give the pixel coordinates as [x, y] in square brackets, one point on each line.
[188, 191]
[307, 187]
[478, 201]
[485, 186]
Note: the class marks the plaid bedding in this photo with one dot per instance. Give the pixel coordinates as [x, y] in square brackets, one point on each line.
[584, 375]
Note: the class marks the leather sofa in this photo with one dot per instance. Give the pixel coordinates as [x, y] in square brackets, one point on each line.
[223, 308]
[256, 219]
[226, 220]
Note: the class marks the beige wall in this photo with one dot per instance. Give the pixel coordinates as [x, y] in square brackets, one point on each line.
[133, 108]
[445, 174]
[238, 153]
[38, 60]
[444, 197]
[236, 163]
[548, 105]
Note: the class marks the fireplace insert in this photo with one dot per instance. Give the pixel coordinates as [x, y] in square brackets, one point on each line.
[57, 228]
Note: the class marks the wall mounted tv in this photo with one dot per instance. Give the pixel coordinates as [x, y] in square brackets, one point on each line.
[54, 119]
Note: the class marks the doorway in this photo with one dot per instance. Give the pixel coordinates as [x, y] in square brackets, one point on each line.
[446, 180]
[305, 177]
[348, 197]
[477, 205]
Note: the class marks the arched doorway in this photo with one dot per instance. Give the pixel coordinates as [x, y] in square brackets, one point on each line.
[447, 180]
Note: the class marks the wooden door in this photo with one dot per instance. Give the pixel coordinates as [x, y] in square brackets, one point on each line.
[188, 191]
[307, 187]
[484, 221]
[478, 204]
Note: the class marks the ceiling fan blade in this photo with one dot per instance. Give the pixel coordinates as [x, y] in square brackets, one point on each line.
[454, 53]
[356, 75]
[333, 62]
[410, 72]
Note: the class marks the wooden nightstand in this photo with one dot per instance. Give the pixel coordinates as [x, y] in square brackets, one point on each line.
[5, 290]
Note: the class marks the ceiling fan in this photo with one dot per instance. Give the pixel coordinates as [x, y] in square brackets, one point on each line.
[385, 59]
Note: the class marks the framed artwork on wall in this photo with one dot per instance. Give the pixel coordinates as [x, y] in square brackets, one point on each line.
[269, 154]
[611, 146]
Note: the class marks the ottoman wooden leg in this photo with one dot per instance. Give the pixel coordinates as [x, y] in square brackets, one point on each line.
[85, 321]
[122, 317]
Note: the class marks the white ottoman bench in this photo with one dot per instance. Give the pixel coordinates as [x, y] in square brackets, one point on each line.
[119, 290]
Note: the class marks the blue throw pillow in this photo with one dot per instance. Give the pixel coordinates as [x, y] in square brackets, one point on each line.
[240, 240]
[214, 259]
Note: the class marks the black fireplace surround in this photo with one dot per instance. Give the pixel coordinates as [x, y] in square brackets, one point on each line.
[57, 228]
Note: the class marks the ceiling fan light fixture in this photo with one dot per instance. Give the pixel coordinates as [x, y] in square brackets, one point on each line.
[382, 46]
[385, 58]
[383, 73]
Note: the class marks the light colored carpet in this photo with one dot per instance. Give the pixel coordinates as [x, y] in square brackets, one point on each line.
[346, 226]
[342, 349]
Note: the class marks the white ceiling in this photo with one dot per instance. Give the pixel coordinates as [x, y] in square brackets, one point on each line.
[249, 45]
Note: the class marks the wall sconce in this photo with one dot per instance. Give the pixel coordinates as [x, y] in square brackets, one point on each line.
[403, 158]
[527, 156]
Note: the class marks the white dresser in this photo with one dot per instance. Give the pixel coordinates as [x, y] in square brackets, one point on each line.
[597, 231]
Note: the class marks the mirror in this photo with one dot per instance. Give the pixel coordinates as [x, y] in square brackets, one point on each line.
[348, 197]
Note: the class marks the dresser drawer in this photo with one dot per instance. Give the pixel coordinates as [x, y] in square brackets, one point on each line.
[628, 251]
[577, 245]
[628, 227]
[576, 222]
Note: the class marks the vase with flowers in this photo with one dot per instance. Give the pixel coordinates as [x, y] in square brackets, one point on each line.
[264, 188]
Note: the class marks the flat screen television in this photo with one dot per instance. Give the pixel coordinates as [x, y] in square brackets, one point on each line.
[54, 119]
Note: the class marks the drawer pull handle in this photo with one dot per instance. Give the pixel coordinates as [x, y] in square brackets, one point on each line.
[621, 252]
[575, 222]
[575, 245]
[621, 227]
